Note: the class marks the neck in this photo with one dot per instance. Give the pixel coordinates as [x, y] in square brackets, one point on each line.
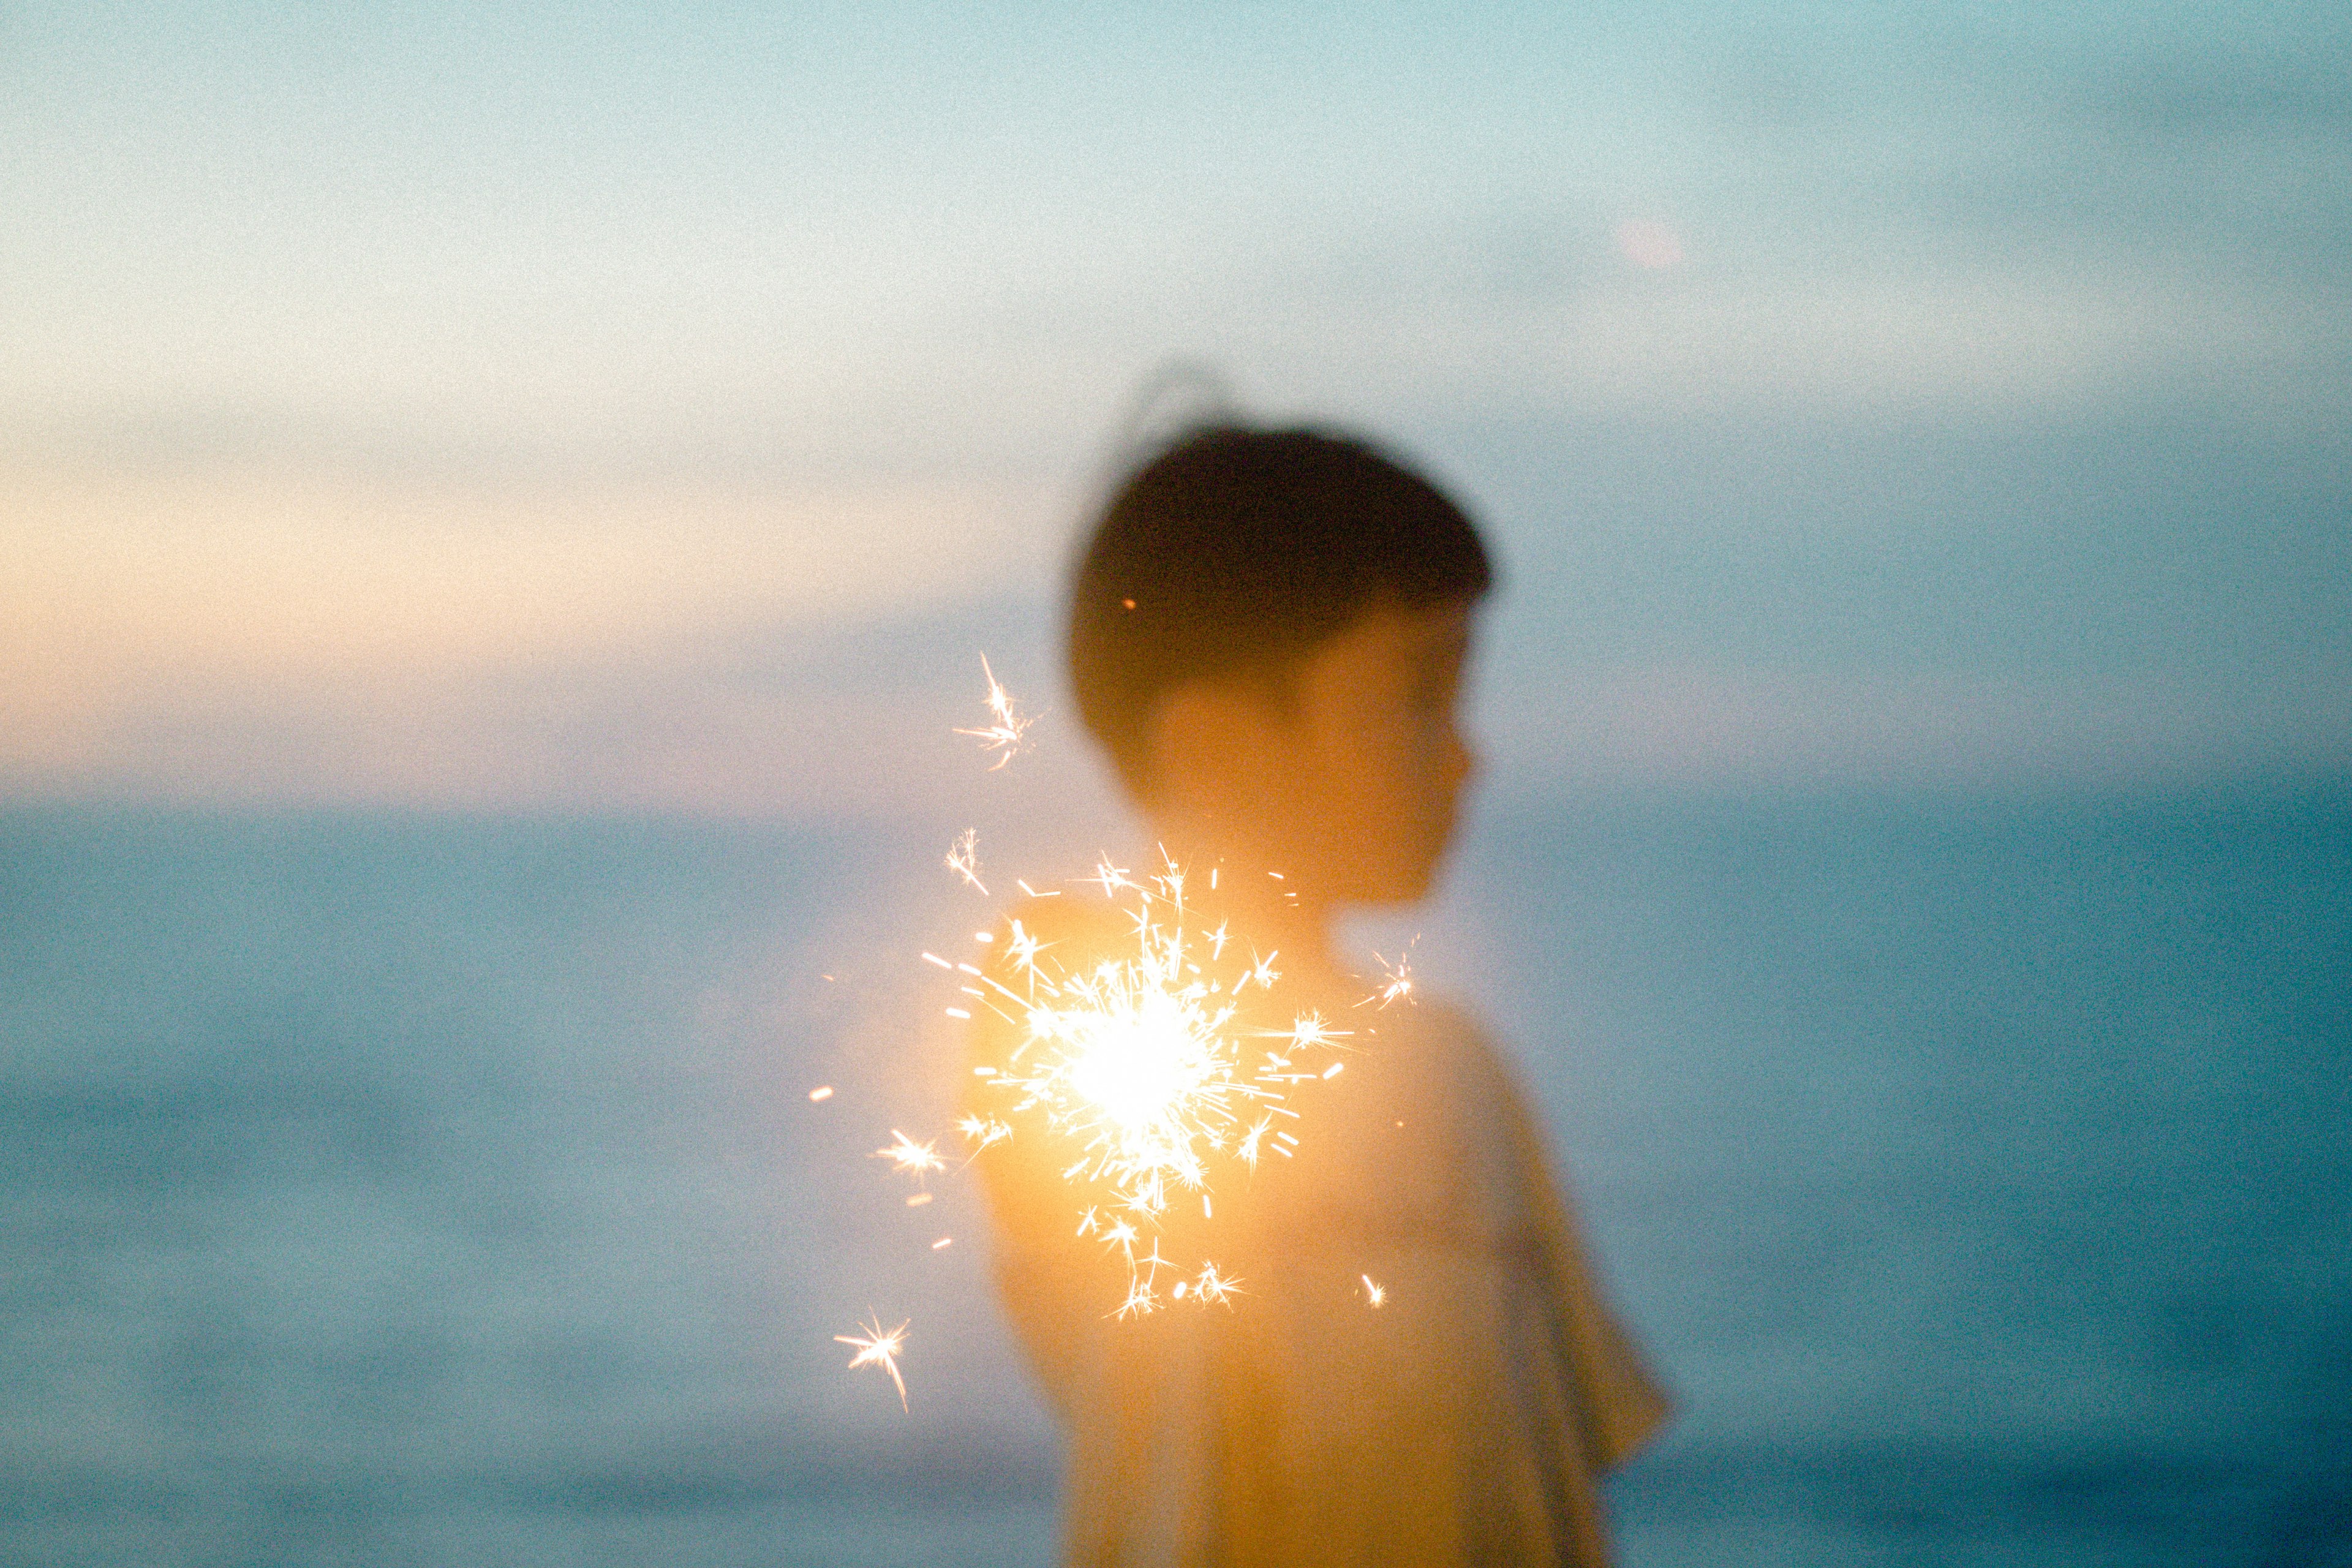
[1278, 906]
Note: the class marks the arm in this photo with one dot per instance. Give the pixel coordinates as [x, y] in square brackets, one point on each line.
[1619, 1404]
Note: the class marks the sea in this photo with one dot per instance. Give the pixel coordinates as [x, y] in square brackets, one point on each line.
[409, 1189]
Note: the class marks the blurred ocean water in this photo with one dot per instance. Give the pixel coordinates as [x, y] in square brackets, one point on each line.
[395, 1190]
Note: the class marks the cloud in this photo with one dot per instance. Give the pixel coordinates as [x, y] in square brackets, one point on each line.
[1692, 727]
[225, 629]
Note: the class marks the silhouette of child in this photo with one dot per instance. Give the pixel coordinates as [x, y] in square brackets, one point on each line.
[1268, 634]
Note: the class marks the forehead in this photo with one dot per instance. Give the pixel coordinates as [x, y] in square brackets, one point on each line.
[1404, 638]
[1441, 629]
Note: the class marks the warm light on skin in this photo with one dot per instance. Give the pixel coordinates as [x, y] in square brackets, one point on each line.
[1347, 774]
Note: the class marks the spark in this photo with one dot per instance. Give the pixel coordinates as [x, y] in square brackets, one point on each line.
[1251, 1139]
[1373, 1294]
[908, 1156]
[876, 1348]
[1396, 980]
[942, 1243]
[1309, 1030]
[916, 1200]
[1138, 1060]
[821, 1093]
[963, 859]
[983, 1131]
[1024, 948]
[1004, 732]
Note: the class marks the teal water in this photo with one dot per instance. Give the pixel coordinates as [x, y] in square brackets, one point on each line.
[405, 1190]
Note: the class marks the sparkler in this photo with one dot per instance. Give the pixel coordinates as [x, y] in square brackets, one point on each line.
[1143, 1064]
[877, 1347]
[1006, 727]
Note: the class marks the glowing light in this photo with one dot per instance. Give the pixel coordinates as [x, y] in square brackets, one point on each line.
[1139, 1059]
[1374, 1295]
[982, 1129]
[1212, 1288]
[1005, 727]
[878, 1348]
[963, 859]
[908, 1157]
[820, 1094]
[1396, 980]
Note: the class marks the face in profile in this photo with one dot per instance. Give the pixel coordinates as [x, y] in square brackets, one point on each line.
[1383, 762]
[1347, 771]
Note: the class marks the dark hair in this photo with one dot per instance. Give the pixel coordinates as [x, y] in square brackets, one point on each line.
[1236, 552]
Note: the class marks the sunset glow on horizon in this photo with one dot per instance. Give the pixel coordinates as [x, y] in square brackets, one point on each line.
[526, 411]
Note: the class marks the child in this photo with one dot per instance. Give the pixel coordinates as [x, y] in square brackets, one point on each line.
[1268, 635]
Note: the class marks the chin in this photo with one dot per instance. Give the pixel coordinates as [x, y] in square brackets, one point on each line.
[1389, 885]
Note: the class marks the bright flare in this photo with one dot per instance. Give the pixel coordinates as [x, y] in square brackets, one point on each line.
[1143, 1062]
[908, 1157]
[963, 859]
[876, 1348]
[1396, 980]
[1005, 727]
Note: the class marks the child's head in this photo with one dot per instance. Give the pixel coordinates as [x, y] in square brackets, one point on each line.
[1267, 632]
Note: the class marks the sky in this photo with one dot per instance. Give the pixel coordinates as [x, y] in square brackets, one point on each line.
[576, 408]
